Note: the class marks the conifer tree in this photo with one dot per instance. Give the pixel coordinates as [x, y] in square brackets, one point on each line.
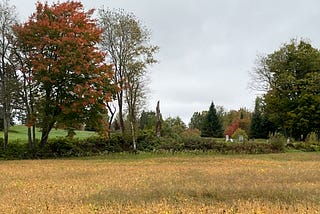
[256, 128]
[212, 126]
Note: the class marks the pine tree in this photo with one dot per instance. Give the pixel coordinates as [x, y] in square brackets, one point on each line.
[260, 124]
[212, 126]
[256, 121]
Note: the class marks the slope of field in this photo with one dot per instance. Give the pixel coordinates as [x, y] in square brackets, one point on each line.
[277, 183]
[19, 132]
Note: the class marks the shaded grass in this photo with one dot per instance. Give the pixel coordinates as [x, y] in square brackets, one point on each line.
[19, 133]
[160, 183]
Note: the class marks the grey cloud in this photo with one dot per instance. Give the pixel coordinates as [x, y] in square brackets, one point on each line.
[207, 47]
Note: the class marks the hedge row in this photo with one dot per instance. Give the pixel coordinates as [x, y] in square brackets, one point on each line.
[63, 147]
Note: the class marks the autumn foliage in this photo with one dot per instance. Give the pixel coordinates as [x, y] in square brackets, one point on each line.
[232, 128]
[67, 67]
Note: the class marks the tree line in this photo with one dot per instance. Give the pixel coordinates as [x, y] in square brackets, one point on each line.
[289, 81]
[63, 68]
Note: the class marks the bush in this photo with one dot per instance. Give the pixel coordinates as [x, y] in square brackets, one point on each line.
[240, 132]
[250, 148]
[147, 141]
[305, 146]
[15, 150]
[278, 142]
[116, 143]
[312, 138]
[171, 144]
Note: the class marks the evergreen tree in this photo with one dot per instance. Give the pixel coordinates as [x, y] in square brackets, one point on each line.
[212, 126]
[256, 128]
[260, 124]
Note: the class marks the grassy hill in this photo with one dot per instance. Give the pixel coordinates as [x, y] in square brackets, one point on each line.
[19, 132]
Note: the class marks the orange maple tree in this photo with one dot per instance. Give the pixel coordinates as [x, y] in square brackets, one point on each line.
[69, 70]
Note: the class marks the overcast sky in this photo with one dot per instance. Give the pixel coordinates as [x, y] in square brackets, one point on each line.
[208, 47]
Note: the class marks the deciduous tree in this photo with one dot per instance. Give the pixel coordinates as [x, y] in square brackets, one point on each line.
[291, 76]
[127, 43]
[8, 77]
[196, 120]
[173, 127]
[148, 120]
[69, 70]
[28, 93]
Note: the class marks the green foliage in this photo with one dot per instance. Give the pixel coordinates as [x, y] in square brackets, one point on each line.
[187, 140]
[127, 44]
[278, 142]
[304, 146]
[291, 76]
[15, 150]
[240, 132]
[148, 120]
[312, 138]
[192, 140]
[212, 126]
[172, 127]
[260, 125]
[197, 120]
[147, 141]
[311, 144]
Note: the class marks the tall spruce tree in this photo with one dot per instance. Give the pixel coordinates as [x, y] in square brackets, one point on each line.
[257, 128]
[212, 126]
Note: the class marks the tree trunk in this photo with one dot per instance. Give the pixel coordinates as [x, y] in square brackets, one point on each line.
[45, 133]
[6, 120]
[34, 136]
[133, 136]
[158, 123]
[120, 105]
[30, 143]
[5, 131]
[112, 112]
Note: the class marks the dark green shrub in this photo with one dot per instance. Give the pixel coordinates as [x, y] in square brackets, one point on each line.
[147, 141]
[193, 143]
[305, 146]
[16, 150]
[59, 147]
[116, 143]
[171, 144]
[250, 148]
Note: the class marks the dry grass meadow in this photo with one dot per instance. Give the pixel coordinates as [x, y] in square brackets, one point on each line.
[276, 183]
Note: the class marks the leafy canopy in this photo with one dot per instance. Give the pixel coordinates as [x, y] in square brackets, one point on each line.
[293, 76]
[71, 77]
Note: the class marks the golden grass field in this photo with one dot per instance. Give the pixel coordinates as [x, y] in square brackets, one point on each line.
[275, 183]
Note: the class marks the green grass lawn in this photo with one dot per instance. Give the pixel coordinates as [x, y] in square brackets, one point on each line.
[19, 133]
